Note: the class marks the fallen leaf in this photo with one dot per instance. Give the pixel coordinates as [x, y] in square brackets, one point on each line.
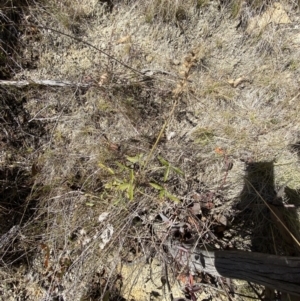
[47, 255]
[196, 208]
[103, 79]
[123, 40]
[221, 219]
[219, 150]
[238, 81]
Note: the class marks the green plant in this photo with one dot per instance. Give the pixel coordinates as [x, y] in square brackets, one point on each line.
[169, 167]
[126, 184]
[163, 193]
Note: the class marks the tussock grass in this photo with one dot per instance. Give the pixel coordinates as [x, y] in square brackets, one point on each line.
[167, 11]
[71, 14]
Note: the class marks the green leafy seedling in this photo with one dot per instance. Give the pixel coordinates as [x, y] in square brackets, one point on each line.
[139, 158]
[108, 169]
[163, 193]
[123, 185]
[168, 167]
[127, 184]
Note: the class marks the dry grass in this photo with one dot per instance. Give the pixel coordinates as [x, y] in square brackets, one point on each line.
[221, 98]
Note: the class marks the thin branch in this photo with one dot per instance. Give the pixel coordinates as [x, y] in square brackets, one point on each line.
[88, 44]
[53, 83]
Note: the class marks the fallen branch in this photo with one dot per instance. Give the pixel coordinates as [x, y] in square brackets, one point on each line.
[52, 83]
[279, 272]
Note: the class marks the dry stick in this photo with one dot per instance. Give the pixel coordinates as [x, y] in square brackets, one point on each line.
[88, 44]
[159, 135]
[53, 83]
[167, 281]
[66, 83]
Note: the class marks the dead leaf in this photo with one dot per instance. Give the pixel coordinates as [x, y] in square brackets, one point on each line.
[196, 208]
[123, 40]
[196, 197]
[238, 81]
[219, 150]
[221, 219]
[47, 255]
[103, 79]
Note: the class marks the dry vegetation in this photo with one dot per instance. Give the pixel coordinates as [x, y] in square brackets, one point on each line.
[190, 116]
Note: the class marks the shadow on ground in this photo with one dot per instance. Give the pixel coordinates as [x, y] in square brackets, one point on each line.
[263, 209]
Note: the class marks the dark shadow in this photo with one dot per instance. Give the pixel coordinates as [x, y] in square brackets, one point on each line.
[14, 189]
[256, 221]
[274, 260]
[18, 138]
[16, 208]
[10, 19]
